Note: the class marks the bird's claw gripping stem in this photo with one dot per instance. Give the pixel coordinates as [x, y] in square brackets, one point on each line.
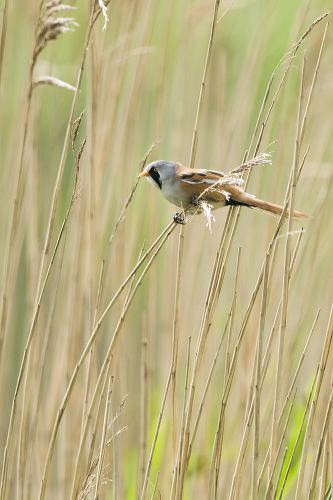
[179, 218]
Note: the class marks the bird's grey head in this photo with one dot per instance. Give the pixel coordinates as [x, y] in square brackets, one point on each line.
[160, 171]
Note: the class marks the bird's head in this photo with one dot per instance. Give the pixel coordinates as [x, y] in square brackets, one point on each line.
[159, 172]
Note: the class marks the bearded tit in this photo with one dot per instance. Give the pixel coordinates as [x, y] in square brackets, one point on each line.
[187, 187]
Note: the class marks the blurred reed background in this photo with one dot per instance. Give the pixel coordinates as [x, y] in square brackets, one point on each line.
[66, 247]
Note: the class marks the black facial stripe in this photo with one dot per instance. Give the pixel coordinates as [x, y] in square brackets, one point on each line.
[153, 172]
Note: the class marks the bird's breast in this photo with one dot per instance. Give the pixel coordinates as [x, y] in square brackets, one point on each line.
[175, 195]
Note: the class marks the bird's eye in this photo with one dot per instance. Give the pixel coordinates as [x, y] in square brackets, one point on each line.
[153, 170]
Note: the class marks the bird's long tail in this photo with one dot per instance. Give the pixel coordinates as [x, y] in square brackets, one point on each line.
[249, 200]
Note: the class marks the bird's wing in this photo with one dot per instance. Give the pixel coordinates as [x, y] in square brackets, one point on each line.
[196, 182]
[210, 185]
[199, 176]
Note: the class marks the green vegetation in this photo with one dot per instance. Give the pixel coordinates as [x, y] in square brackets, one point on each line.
[139, 358]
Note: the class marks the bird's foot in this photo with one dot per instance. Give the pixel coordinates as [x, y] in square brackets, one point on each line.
[195, 201]
[179, 218]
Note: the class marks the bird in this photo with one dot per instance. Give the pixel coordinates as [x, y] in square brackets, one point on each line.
[191, 188]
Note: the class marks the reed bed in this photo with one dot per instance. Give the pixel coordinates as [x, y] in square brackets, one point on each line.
[140, 358]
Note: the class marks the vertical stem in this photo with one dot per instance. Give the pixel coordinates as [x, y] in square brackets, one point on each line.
[202, 87]
[285, 289]
[256, 430]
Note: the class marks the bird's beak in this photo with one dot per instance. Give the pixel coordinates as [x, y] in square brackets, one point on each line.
[144, 173]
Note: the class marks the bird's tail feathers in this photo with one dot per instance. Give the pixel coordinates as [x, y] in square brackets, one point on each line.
[251, 201]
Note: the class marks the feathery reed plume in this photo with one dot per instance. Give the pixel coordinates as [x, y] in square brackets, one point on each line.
[207, 211]
[52, 80]
[260, 159]
[104, 10]
[50, 26]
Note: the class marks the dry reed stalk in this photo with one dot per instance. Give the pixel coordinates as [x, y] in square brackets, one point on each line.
[260, 339]
[156, 315]
[93, 16]
[86, 422]
[156, 433]
[268, 493]
[89, 482]
[91, 462]
[285, 288]
[291, 388]
[299, 365]
[307, 406]
[48, 28]
[13, 224]
[83, 437]
[313, 83]
[301, 124]
[130, 196]
[103, 268]
[176, 469]
[216, 455]
[324, 470]
[3, 35]
[94, 74]
[143, 413]
[247, 315]
[103, 439]
[283, 461]
[172, 372]
[261, 135]
[209, 378]
[265, 100]
[210, 303]
[266, 357]
[155, 486]
[32, 330]
[292, 54]
[232, 317]
[322, 366]
[175, 333]
[202, 87]
[166, 233]
[22, 444]
[312, 493]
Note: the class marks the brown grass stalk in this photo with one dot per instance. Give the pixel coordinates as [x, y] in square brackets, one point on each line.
[156, 433]
[202, 87]
[260, 339]
[285, 288]
[175, 333]
[266, 358]
[101, 280]
[208, 381]
[32, 331]
[299, 434]
[103, 439]
[268, 493]
[291, 388]
[3, 36]
[216, 455]
[324, 469]
[322, 366]
[91, 462]
[256, 149]
[312, 493]
[143, 413]
[166, 233]
[86, 422]
[176, 470]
